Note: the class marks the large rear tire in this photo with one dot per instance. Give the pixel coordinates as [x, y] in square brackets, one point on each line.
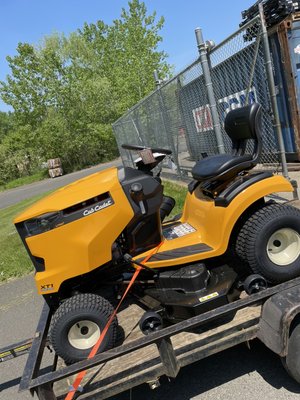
[77, 325]
[241, 237]
[271, 239]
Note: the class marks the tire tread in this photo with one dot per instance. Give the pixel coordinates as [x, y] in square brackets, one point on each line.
[254, 224]
[91, 302]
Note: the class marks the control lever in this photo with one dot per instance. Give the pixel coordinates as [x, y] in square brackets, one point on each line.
[137, 193]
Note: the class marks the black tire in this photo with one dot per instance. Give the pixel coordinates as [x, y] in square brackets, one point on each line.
[292, 360]
[242, 234]
[240, 245]
[254, 283]
[272, 242]
[76, 326]
[150, 322]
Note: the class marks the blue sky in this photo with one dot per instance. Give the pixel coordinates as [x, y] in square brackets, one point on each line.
[30, 20]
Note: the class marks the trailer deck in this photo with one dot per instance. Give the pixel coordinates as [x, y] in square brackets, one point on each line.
[110, 377]
[143, 359]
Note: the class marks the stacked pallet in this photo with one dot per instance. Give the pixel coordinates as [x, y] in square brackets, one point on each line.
[54, 167]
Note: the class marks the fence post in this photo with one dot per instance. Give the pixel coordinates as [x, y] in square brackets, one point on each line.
[202, 48]
[156, 78]
[166, 122]
[270, 77]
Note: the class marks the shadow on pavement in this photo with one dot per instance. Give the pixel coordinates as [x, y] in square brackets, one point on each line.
[205, 375]
[16, 381]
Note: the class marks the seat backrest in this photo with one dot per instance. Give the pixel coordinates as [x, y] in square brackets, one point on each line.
[242, 124]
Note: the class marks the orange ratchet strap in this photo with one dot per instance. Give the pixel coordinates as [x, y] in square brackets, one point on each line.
[94, 350]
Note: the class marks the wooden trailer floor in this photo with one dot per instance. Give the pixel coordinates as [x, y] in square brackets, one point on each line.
[145, 365]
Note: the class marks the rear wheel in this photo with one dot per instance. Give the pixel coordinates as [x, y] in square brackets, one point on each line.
[77, 325]
[283, 247]
[272, 242]
[242, 234]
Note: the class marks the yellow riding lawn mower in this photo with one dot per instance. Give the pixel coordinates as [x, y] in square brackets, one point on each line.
[86, 239]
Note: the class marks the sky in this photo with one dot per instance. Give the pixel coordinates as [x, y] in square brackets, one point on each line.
[30, 20]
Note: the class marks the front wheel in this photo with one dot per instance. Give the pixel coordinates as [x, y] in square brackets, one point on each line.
[272, 245]
[77, 325]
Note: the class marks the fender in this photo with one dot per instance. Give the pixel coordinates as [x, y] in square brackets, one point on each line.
[212, 224]
[246, 198]
[216, 223]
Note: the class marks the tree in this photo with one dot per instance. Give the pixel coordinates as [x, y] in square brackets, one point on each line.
[18, 156]
[6, 124]
[69, 90]
[127, 52]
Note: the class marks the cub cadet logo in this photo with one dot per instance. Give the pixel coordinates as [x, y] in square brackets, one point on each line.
[98, 207]
[45, 288]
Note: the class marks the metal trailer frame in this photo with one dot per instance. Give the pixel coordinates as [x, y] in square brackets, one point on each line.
[280, 305]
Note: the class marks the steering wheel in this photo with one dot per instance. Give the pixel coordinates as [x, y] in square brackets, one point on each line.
[154, 150]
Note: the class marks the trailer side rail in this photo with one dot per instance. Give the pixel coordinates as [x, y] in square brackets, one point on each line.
[169, 361]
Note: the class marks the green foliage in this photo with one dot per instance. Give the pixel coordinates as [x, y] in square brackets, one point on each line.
[131, 53]
[67, 91]
[178, 192]
[25, 180]
[18, 156]
[6, 124]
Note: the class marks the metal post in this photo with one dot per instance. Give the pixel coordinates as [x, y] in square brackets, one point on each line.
[252, 71]
[156, 78]
[166, 123]
[270, 77]
[45, 392]
[168, 357]
[202, 48]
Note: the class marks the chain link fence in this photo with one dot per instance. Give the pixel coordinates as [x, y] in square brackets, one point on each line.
[178, 114]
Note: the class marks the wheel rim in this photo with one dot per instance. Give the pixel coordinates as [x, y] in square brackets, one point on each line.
[151, 325]
[257, 285]
[84, 334]
[283, 247]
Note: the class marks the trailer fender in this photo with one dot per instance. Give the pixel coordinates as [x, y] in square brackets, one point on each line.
[278, 312]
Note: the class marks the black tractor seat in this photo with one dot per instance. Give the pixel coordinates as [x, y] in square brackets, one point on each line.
[241, 125]
[215, 166]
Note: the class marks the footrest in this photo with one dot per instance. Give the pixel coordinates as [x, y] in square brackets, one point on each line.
[180, 252]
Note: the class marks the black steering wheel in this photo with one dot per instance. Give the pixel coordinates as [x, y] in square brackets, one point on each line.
[154, 150]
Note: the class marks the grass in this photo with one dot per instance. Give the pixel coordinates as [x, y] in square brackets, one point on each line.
[25, 180]
[14, 260]
[178, 192]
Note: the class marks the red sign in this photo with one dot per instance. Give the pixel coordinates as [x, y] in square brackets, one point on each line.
[203, 119]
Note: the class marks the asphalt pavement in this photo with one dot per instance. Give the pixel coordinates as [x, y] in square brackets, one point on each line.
[19, 313]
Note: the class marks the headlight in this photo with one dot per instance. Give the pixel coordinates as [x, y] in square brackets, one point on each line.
[43, 223]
